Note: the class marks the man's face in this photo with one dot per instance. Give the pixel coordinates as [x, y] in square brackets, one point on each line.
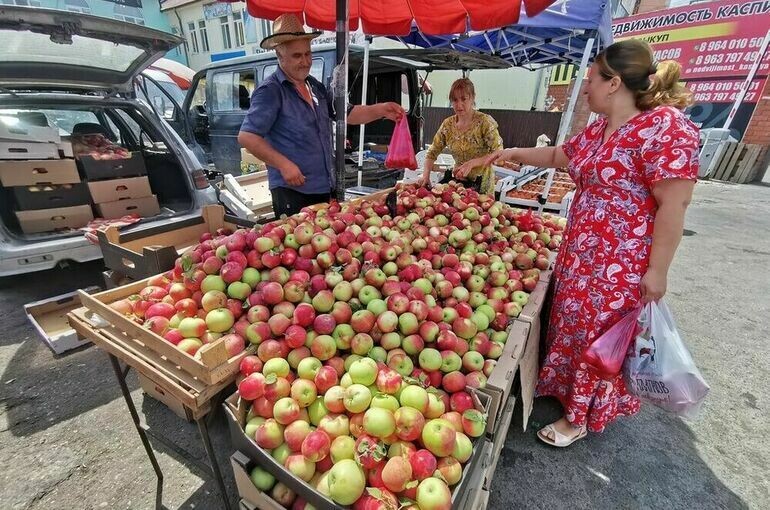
[295, 59]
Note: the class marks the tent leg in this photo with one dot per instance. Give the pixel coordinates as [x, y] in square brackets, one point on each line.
[566, 119]
[340, 93]
[363, 102]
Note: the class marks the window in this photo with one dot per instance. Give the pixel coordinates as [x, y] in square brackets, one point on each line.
[25, 3]
[204, 36]
[267, 28]
[563, 74]
[77, 6]
[269, 69]
[129, 14]
[240, 38]
[227, 41]
[232, 90]
[622, 8]
[193, 38]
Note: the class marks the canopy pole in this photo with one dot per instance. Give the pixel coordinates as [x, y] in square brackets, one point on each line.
[747, 83]
[566, 119]
[340, 93]
[363, 102]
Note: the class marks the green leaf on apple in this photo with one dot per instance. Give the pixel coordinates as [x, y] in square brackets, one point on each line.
[187, 262]
[271, 379]
[437, 474]
[411, 484]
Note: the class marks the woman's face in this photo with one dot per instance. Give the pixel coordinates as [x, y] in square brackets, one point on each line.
[462, 103]
[598, 90]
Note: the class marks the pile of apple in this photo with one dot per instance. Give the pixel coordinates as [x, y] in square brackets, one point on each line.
[369, 332]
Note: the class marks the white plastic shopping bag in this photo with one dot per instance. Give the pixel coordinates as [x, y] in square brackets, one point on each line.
[660, 369]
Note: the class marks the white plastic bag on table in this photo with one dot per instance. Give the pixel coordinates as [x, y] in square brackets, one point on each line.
[660, 369]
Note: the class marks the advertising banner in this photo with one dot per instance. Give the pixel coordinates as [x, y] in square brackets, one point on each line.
[716, 44]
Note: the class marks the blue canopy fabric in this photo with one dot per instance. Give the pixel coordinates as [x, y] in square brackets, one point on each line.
[557, 35]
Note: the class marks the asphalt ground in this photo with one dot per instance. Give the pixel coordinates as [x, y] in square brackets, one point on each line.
[67, 440]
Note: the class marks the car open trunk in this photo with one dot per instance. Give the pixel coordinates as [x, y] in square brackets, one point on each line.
[139, 174]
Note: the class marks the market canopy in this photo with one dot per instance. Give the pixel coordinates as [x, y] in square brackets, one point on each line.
[557, 35]
[397, 17]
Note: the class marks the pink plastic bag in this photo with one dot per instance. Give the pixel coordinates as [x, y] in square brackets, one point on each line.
[608, 352]
[401, 150]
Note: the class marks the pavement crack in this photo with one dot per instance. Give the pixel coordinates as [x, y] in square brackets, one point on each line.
[42, 494]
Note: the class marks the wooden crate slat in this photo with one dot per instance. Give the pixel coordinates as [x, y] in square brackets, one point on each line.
[97, 304]
[748, 163]
[127, 356]
[733, 162]
[724, 159]
[139, 349]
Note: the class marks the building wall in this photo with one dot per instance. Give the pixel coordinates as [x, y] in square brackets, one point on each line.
[148, 14]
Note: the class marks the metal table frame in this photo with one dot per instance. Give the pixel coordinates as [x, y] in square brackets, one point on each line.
[143, 430]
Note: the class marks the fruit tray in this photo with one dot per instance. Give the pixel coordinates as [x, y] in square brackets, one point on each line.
[145, 252]
[462, 493]
[214, 365]
[178, 384]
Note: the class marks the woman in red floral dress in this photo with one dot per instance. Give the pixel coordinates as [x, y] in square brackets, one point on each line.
[635, 169]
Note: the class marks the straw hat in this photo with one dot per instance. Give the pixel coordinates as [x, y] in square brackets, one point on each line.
[286, 27]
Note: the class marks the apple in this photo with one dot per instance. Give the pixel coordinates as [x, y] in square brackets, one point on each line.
[460, 402]
[430, 359]
[286, 410]
[409, 423]
[304, 392]
[401, 363]
[423, 464]
[363, 371]
[219, 320]
[473, 361]
[463, 448]
[323, 347]
[357, 398]
[278, 366]
[269, 435]
[433, 494]
[249, 365]
[415, 397]
[192, 327]
[388, 381]
[438, 436]
[261, 479]
[316, 445]
[369, 452]
[252, 387]
[346, 482]
[295, 433]
[379, 422]
[300, 466]
[316, 411]
[343, 447]
[362, 321]
[335, 425]
[325, 378]
[474, 422]
[190, 345]
[304, 314]
[361, 344]
[396, 473]
[451, 469]
[334, 399]
[435, 406]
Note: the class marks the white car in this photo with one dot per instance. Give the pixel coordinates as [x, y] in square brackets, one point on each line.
[76, 73]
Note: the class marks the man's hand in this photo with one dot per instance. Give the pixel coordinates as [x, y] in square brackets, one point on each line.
[292, 175]
[392, 111]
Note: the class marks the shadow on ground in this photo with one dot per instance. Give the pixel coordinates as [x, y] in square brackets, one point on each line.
[647, 461]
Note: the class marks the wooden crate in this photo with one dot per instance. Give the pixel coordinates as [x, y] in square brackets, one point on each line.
[498, 441]
[173, 380]
[251, 497]
[142, 253]
[737, 162]
[214, 365]
[49, 318]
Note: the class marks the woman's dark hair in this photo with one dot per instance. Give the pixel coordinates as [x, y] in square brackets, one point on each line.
[652, 83]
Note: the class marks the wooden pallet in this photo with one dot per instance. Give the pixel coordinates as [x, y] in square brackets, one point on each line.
[192, 393]
[214, 365]
[737, 162]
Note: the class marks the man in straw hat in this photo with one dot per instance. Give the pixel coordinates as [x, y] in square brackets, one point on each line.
[289, 122]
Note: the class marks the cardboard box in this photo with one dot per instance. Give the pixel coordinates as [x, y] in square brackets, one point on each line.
[50, 196]
[99, 169]
[23, 132]
[251, 497]
[161, 395]
[144, 207]
[48, 220]
[32, 172]
[529, 368]
[28, 150]
[119, 189]
[500, 381]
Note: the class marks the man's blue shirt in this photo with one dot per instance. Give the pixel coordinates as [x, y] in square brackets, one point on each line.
[295, 129]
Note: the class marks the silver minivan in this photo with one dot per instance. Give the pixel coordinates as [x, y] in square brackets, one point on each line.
[77, 72]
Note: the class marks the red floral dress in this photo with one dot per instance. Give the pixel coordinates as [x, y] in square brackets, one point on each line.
[606, 251]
